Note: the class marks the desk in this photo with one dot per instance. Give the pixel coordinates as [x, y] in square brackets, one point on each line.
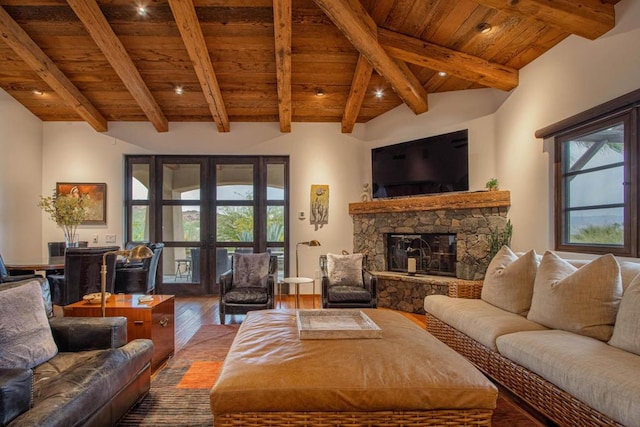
[297, 281]
[49, 265]
[153, 320]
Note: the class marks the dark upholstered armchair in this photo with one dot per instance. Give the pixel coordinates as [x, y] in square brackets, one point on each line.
[5, 277]
[248, 285]
[82, 274]
[346, 283]
[139, 277]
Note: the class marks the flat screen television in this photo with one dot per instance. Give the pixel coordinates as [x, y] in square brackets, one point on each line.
[437, 164]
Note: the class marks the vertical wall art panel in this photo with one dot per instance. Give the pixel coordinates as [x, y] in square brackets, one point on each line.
[319, 205]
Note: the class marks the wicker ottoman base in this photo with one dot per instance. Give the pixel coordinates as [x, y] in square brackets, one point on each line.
[408, 378]
[357, 419]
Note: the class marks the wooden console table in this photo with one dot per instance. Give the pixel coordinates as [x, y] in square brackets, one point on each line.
[153, 320]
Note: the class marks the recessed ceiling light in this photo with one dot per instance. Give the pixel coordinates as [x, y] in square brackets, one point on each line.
[142, 11]
[319, 92]
[179, 90]
[442, 73]
[483, 28]
[379, 93]
[38, 92]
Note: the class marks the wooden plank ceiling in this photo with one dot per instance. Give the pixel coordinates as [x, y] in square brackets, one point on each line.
[226, 61]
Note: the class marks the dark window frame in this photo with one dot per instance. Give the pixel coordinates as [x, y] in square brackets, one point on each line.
[623, 109]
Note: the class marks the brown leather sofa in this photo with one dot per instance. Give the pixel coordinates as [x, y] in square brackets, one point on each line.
[93, 380]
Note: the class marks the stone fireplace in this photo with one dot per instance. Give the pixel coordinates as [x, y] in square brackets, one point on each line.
[470, 217]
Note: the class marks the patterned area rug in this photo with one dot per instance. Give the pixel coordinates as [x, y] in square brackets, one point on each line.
[179, 394]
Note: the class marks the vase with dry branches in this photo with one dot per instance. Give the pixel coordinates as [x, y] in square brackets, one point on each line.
[68, 212]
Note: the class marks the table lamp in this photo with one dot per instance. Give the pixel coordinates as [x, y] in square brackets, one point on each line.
[310, 243]
[136, 253]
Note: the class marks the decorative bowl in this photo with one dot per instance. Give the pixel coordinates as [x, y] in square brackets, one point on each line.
[96, 297]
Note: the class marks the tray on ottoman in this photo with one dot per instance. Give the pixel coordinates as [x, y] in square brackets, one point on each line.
[336, 324]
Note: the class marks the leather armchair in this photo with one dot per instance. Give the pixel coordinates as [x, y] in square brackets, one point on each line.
[141, 276]
[82, 274]
[240, 298]
[343, 295]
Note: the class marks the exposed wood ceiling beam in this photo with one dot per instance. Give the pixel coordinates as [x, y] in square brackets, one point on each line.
[184, 13]
[359, 85]
[356, 24]
[440, 58]
[18, 40]
[362, 74]
[282, 29]
[101, 32]
[586, 18]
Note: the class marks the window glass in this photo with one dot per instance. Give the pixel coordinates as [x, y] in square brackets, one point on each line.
[234, 223]
[140, 223]
[181, 223]
[234, 182]
[275, 181]
[180, 181]
[140, 181]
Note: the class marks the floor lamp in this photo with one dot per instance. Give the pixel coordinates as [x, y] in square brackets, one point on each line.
[136, 253]
[310, 243]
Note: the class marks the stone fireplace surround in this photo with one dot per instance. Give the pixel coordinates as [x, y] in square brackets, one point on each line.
[472, 216]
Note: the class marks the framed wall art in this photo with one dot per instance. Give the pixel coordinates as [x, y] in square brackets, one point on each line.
[95, 196]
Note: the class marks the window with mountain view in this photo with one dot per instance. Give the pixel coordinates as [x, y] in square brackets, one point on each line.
[596, 186]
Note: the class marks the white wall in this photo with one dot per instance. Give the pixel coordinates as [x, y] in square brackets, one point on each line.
[319, 154]
[574, 76]
[20, 181]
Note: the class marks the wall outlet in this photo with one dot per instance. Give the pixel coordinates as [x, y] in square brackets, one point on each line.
[301, 215]
[110, 238]
[95, 238]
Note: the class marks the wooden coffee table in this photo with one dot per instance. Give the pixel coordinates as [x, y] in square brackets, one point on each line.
[153, 320]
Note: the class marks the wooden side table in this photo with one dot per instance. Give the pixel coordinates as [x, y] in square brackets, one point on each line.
[153, 320]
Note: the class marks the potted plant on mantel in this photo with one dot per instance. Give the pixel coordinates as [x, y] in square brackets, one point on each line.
[492, 184]
[68, 212]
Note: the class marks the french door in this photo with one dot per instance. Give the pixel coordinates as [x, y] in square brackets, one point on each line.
[204, 209]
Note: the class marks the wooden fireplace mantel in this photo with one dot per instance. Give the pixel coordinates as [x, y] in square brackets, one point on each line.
[470, 200]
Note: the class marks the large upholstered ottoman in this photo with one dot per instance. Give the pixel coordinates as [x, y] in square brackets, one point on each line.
[406, 378]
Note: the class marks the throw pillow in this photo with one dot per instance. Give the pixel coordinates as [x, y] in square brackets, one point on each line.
[250, 270]
[583, 300]
[345, 270]
[625, 332]
[25, 335]
[508, 282]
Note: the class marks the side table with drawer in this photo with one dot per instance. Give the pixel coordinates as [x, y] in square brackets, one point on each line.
[153, 320]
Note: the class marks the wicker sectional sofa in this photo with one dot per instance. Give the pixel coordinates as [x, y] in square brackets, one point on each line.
[550, 352]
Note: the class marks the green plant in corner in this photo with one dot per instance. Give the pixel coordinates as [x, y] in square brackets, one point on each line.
[66, 211]
[492, 184]
[498, 240]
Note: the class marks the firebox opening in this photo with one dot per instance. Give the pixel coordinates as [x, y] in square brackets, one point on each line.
[434, 253]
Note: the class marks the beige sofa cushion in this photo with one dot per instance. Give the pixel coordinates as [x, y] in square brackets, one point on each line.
[583, 300]
[626, 333]
[602, 376]
[508, 282]
[477, 319]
